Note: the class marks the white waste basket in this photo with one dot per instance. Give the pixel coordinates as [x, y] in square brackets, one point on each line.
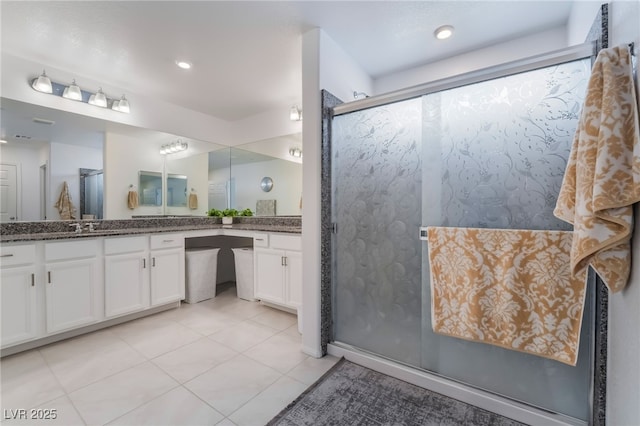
[201, 266]
[244, 272]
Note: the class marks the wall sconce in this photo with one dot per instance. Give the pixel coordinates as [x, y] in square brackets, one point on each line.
[44, 84]
[295, 114]
[173, 147]
[295, 152]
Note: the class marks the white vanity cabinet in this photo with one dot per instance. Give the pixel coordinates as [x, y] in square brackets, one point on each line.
[126, 275]
[278, 269]
[73, 284]
[167, 268]
[18, 293]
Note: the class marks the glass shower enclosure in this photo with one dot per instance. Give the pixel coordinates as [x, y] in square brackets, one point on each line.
[487, 154]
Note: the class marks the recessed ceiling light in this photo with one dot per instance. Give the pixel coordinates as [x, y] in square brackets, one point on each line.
[443, 32]
[184, 64]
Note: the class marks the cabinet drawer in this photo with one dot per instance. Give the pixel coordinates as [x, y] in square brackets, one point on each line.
[167, 241]
[125, 245]
[286, 242]
[261, 240]
[17, 255]
[70, 250]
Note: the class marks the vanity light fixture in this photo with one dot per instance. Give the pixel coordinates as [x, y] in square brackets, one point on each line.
[173, 147]
[295, 152]
[295, 114]
[98, 99]
[443, 32]
[44, 84]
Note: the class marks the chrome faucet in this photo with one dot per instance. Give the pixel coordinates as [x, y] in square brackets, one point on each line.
[91, 226]
[78, 227]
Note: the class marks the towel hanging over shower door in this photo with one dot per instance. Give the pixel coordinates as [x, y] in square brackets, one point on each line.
[602, 180]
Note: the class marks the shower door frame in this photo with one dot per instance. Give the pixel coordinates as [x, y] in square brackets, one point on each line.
[467, 393]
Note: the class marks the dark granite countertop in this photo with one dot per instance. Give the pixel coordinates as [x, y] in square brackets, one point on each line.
[61, 230]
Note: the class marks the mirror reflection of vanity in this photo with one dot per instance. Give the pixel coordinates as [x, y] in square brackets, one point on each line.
[49, 147]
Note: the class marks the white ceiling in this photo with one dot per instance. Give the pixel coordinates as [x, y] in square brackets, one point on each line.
[247, 55]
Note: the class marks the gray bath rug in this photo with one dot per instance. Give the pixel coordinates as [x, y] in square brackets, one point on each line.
[350, 394]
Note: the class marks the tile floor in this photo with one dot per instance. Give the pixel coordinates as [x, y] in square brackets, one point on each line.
[224, 361]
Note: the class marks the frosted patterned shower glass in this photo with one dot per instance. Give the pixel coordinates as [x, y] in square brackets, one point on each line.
[499, 150]
[503, 147]
[488, 155]
[377, 202]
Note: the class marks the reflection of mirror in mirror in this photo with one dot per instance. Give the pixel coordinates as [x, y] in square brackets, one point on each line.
[233, 174]
[176, 190]
[250, 163]
[150, 188]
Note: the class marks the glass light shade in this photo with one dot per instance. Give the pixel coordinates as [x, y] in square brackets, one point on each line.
[42, 83]
[122, 105]
[295, 114]
[72, 92]
[98, 99]
[295, 152]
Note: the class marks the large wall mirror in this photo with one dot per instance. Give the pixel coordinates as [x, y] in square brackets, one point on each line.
[102, 161]
[236, 183]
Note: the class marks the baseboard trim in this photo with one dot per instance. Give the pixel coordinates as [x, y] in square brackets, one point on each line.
[83, 330]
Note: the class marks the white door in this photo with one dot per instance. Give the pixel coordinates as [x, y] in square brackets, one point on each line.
[126, 283]
[269, 275]
[71, 294]
[18, 296]
[8, 192]
[167, 276]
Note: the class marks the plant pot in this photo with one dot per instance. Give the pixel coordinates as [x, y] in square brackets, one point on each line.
[227, 220]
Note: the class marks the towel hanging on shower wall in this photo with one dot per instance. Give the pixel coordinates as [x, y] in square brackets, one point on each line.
[509, 288]
[602, 179]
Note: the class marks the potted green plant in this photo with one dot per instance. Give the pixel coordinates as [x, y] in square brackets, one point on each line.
[214, 213]
[228, 215]
[246, 212]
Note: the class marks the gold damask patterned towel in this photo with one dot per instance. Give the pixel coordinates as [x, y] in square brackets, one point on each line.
[508, 288]
[602, 179]
[64, 205]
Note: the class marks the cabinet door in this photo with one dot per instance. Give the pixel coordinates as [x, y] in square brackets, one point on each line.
[269, 275]
[167, 276]
[126, 283]
[71, 294]
[18, 296]
[293, 272]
